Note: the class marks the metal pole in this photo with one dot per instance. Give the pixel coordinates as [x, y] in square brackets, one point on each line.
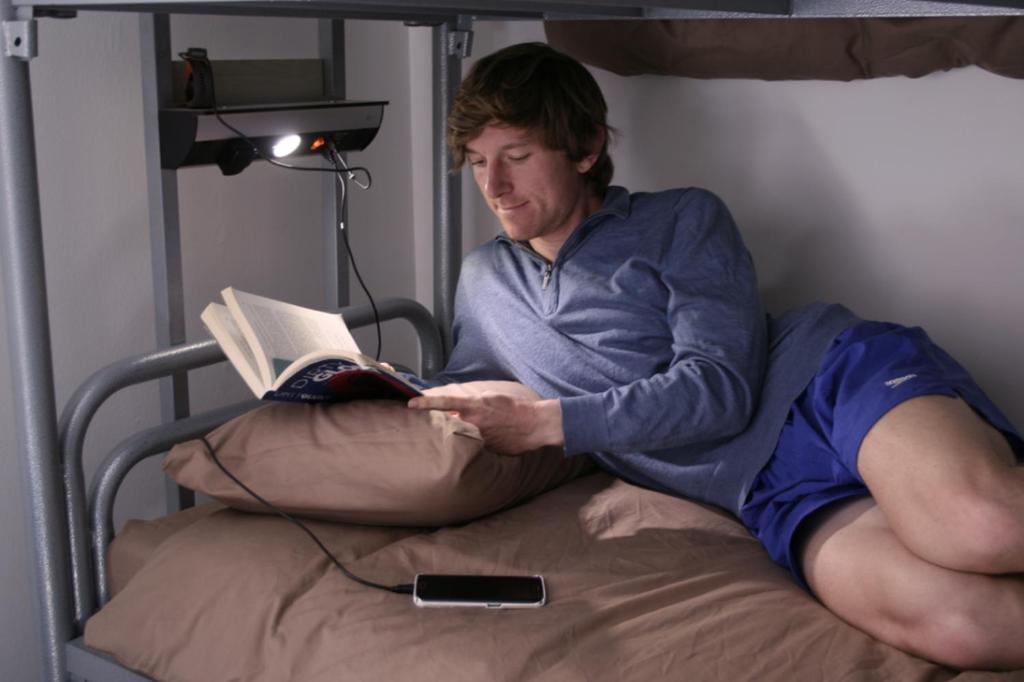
[28, 332]
[452, 42]
[164, 226]
[331, 34]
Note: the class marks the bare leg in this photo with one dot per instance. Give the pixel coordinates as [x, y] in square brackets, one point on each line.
[946, 482]
[927, 564]
[863, 573]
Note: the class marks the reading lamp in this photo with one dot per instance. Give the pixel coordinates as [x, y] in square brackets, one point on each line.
[195, 137]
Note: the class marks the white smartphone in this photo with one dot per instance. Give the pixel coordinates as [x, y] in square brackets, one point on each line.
[487, 591]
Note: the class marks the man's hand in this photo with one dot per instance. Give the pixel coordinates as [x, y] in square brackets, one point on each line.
[510, 423]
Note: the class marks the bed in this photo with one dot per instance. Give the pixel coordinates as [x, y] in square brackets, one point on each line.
[642, 586]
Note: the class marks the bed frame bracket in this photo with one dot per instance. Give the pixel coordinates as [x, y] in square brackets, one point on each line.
[20, 39]
[460, 43]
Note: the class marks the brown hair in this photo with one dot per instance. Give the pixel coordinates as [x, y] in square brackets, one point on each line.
[533, 86]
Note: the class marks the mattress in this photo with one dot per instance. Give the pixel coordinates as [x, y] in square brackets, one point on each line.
[641, 586]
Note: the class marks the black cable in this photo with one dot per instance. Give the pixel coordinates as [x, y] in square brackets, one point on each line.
[399, 589]
[351, 256]
[359, 278]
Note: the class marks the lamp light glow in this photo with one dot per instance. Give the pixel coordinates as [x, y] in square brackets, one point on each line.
[286, 145]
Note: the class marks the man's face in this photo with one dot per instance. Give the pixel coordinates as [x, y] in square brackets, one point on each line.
[538, 194]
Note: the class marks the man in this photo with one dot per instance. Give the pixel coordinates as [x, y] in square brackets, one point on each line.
[861, 455]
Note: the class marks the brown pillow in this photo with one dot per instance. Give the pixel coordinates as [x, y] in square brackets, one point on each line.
[372, 462]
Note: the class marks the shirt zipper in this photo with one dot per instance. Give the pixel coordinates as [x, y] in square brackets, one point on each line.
[548, 267]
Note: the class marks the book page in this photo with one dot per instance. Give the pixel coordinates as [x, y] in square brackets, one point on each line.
[283, 332]
[230, 339]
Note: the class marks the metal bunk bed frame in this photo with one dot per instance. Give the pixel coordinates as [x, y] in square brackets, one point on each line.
[68, 582]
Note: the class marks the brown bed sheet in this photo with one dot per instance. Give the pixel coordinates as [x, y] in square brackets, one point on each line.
[642, 586]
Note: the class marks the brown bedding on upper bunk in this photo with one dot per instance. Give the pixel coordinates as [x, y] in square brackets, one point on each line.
[642, 586]
[795, 49]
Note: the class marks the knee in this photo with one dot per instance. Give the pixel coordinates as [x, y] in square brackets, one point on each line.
[988, 535]
[975, 625]
[968, 640]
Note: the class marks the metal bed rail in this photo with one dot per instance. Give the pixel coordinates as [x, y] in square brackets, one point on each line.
[88, 573]
[441, 10]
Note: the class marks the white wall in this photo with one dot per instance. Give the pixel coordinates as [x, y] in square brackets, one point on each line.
[899, 197]
[384, 63]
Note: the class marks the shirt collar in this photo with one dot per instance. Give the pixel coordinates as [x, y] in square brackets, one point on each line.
[616, 202]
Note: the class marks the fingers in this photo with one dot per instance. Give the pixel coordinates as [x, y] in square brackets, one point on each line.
[448, 389]
[449, 403]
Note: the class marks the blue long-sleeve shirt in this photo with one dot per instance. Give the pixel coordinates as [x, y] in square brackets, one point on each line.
[648, 327]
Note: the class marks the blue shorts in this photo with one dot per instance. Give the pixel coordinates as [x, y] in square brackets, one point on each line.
[869, 369]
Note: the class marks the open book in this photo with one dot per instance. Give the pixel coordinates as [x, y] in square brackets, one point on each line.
[287, 352]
